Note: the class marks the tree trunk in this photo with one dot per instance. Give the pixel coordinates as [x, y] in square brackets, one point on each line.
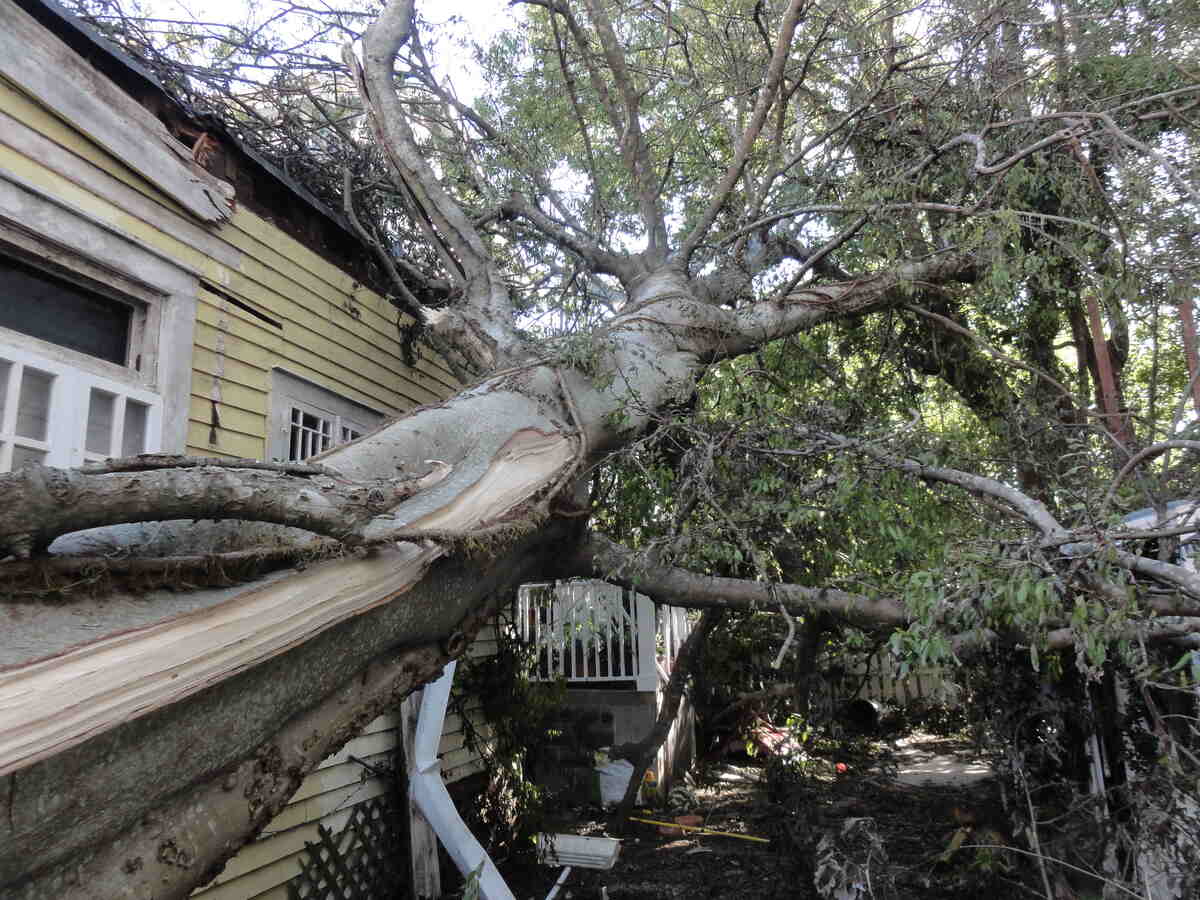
[155, 806]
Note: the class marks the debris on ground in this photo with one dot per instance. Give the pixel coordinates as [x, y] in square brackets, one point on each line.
[874, 830]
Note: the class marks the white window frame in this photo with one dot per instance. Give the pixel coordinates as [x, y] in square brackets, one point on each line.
[70, 396]
[290, 392]
[75, 373]
[144, 304]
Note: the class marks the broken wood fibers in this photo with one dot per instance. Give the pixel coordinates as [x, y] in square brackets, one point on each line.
[52, 704]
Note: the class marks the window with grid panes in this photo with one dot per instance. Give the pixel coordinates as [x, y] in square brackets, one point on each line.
[313, 419]
[65, 372]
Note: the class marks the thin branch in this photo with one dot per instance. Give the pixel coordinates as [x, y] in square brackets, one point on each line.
[766, 99]
[594, 256]
[633, 143]
[951, 325]
[409, 302]
[1033, 511]
[1140, 457]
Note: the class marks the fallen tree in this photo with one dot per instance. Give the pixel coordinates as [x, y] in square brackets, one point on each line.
[430, 518]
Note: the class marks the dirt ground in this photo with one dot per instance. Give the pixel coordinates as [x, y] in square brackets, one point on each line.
[915, 799]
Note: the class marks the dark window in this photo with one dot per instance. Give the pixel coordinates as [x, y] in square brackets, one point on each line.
[53, 309]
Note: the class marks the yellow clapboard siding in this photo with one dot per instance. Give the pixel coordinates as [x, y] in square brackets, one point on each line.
[242, 340]
[37, 174]
[269, 875]
[312, 808]
[233, 419]
[260, 240]
[255, 234]
[252, 376]
[363, 746]
[333, 367]
[457, 759]
[299, 267]
[254, 858]
[229, 445]
[239, 395]
[385, 722]
[279, 892]
[335, 777]
[70, 193]
[212, 308]
[303, 324]
[296, 287]
[24, 139]
[472, 767]
[42, 120]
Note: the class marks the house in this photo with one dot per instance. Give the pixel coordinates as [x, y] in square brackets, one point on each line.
[149, 303]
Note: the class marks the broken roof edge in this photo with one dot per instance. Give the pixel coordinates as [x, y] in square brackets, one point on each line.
[128, 74]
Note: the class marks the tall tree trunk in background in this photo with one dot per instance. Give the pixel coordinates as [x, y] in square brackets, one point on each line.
[1115, 419]
[642, 753]
[1188, 321]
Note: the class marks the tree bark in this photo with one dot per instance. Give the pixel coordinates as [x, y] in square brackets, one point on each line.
[605, 558]
[142, 810]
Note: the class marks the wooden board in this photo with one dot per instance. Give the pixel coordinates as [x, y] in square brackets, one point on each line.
[425, 873]
[50, 71]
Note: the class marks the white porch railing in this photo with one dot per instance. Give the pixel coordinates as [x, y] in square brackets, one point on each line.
[592, 632]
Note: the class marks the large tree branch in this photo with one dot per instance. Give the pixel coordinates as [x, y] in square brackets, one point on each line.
[381, 43]
[42, 504]
[676, 586]
[767, 320]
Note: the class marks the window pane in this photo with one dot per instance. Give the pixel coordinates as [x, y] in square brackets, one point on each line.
[24, 455]
[33, 406]
[100, 422]
[37, 303]
[309, 434]
[133, 440]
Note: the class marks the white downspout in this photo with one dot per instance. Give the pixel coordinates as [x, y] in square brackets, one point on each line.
[428, 791]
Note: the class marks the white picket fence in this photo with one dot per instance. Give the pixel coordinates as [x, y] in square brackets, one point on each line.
[886, 680]
[593, 632]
